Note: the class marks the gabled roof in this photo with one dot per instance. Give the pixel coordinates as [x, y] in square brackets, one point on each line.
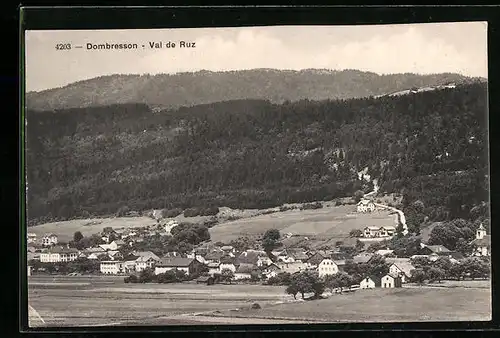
[485, 241]
[214, 255]
[175, 262]
[245, 268]
[364, 202]
[405, 267]
[383, 252]
[396, 260]
[144, 259]
[213, 265]
[393, 275]
[62, 250]
[145, 254]
[315, 259]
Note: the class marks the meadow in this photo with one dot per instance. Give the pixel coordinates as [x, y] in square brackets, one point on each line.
[103, 300]
[385, 305]
[329, 223]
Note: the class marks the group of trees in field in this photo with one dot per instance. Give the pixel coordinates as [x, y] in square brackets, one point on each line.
[443, 268]
[430, 147]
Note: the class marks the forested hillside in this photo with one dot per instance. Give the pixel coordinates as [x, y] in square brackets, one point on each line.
[431, 146]
[187, 89]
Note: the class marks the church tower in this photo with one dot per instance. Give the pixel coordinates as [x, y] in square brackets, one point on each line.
[481, 232]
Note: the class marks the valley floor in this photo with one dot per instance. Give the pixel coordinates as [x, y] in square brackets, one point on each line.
[108, 301]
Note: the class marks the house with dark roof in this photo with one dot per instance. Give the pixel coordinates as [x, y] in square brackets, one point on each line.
[370, 282]
[244, 271]
[272, 270]
[315, 260]
[433, 249]
[188, 265]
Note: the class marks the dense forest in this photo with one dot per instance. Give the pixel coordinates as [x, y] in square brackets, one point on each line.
[188, 89]
[430, 146]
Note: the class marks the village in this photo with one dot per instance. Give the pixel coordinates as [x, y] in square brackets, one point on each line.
[345, 268]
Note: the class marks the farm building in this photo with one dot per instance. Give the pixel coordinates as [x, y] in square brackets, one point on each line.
[188, 265]
[365, 206]
[402, 269]
[370, 282]
[144, 262]
[292, 267]
[244, 271]
[327, 267]
[208, 280]
[391, 281]
[379, 232]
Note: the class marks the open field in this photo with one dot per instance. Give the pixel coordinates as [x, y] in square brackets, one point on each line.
[106, 300]
[331, 222]
[386, 305]
[90, 301]
[65, 230]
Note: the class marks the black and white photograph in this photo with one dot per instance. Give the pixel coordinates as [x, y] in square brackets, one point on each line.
[257, 175]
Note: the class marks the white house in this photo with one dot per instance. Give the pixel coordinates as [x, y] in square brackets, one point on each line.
[58, 254]
[391, 281]
[112, 267]
[50, 239]
[370, 282]
[370, 231]
[144, 262]
[365, 206]
[227, 265]
[327, 267]
[213, 268]
[482, 242]
[387, 231]
[384, 252]
[29, 270]
[402, 270]
[31, 237]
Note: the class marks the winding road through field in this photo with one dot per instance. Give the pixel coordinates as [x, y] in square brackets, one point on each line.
[401, 215]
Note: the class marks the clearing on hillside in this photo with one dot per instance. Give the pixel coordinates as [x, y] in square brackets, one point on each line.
[329, 222]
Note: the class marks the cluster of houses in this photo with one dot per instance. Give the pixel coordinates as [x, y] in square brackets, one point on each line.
[249, 264]
[365, 206]
[379, 232]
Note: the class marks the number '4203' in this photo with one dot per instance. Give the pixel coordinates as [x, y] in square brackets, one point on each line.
[63, 46]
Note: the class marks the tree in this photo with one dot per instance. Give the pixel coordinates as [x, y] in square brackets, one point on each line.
[418, 276]
[122, 211]
[270, 240]
[227, 275]
[421, 262]
[435, 274]
[359, 245]
[358, 195]
[443, 263]
[355, 233]
[292, 289]
[307, 281]
[77, 236]
[475, 268]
